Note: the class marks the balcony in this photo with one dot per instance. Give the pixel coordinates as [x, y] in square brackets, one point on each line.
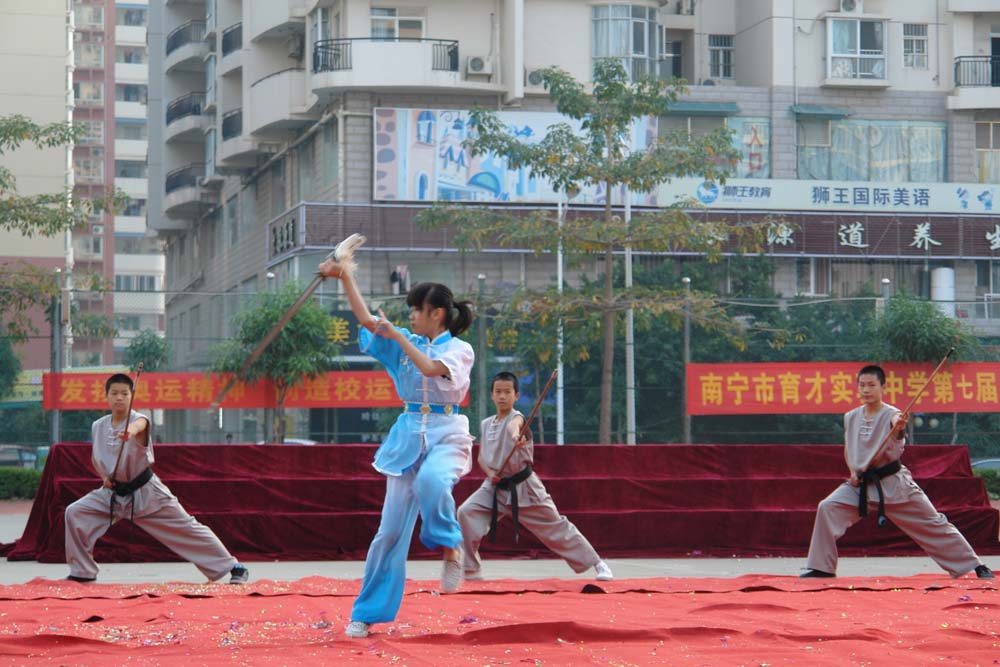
[186, 48]
[130, 34]
[977, 83]
[972, 5]
[278, 102]
[182, 196]
[276, 19]
[232, 50]
[236, 151]
[131, 149]
[130, 224]
[373, 64]
[186, 120]
[134, 110]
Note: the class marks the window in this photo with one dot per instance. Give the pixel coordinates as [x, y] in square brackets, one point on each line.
[130, 92]
[857, 49]
[319, 25]
[232, 221]
[88, 170]
[88, 92]
[627, 33]
[277, 188]
[331, 153]
[395, 24]
[93, 132]
[135, 208]
[89, 245]
[134, 131]
[132, 55]
[988, 151]
[720, 56]
[88, 16]
[669, 56]
[694, 125]
[88, 55]
[915, 45]
[306, 164]
[752, 138]
[863, 150]
[134, 283]
[136, 245]
[812, 276]
[130, 169]
[134, 16]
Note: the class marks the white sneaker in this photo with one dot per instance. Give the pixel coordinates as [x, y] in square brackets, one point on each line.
[357, 629]
[474, 576]
[603, 572]
[452, 575]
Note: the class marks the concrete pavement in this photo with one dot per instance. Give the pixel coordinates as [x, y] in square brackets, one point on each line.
[14, 516]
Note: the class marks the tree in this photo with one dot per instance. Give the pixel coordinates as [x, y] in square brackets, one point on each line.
[150, 348]
[302, 349]
[599, 157]
[10, 367]
[26, 288]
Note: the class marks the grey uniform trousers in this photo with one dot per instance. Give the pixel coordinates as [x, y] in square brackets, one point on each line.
[158, 513]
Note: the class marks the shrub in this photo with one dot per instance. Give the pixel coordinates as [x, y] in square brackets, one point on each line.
[992, 479]
[19, 482]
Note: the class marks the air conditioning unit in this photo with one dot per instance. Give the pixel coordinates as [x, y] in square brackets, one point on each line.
[852, 6]
[268, 147]
[533, 79]
[295, 46]
[479, 65]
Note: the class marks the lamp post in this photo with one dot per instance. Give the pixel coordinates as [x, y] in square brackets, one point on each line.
[481, 350]
[687, 357]
[56, 423]
[629, 332]
[269, 413]
[885, 294]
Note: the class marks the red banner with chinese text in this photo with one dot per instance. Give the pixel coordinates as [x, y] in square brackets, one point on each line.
[830, 387]
[193, 391]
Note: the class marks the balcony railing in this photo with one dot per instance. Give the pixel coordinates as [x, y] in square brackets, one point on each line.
[332, 55]
[184, 177]
[977, 71]
[232, 39]
[232, 124]
[188, 105]
[192, 31]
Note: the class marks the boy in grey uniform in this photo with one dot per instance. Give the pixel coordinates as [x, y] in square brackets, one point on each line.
[516, 490]
[130, 490]
[898, 496]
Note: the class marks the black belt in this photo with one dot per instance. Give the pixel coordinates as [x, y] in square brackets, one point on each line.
[874, 476]
[127, 489]
[508, 484]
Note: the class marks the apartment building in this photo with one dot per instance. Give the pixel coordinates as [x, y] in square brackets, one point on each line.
[37, 37]
[871, 128]
[110, 84]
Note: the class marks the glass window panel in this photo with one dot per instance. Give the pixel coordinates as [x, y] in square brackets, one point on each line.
[996, 135]
[411, 29]
[701, 125]
[638, 38]
[845, 37]
[620, 11]
[871, 37]
[982, 135]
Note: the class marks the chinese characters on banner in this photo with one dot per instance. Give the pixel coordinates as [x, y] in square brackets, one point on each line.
[193, 391]
[831, 387]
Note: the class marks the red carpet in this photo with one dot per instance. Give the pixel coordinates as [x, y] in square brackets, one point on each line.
[292, 502]
[752, 620]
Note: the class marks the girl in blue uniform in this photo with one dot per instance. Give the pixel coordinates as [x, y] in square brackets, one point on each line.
[428, 448]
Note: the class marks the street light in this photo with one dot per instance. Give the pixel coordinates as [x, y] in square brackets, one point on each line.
[687, 357]
[481, 351]
[629, 331]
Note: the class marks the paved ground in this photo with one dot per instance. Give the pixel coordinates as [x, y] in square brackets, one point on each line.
[14, 516]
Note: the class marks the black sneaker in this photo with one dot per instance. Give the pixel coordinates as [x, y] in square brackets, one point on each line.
[239, 574]
[87, 580]
[984, 572]
[818, 574]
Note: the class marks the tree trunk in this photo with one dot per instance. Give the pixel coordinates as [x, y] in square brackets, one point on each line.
[279, 418]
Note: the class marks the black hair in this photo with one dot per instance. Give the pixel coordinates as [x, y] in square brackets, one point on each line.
[873, 370]
[505, 376]
[118, 378]
[457, 314]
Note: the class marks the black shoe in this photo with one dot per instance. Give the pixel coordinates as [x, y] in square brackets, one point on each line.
[239, 574]
[818, 574]
[984, 572]
[87, 580]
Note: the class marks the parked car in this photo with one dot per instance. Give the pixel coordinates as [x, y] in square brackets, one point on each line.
[986, 464]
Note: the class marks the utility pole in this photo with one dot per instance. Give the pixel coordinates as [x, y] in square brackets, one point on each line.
[687, 357]
[56, 363]
[629, 331]
[481, 350]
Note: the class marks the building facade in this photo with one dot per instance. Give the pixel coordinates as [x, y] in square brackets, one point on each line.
[278, 126]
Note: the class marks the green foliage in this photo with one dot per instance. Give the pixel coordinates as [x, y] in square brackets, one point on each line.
[32, 424]
[302, 349]
[992, 479]
[600, 156]
[19, 483]
[10, 367]
[150, 348]
[917, 330]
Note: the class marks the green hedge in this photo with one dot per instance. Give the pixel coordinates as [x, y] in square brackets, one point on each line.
[992, 479]
[19, 482]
